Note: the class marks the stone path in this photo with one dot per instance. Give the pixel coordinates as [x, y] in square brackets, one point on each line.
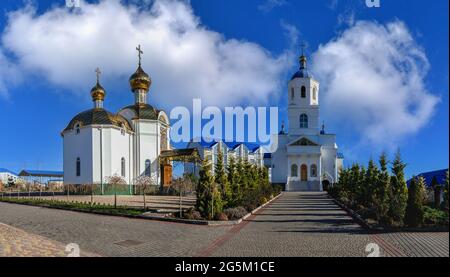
[110, 235]
[18, 243]
[296, 224]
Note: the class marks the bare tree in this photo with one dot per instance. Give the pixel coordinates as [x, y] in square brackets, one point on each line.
[183, 184]
[114, 181]
[144, 182]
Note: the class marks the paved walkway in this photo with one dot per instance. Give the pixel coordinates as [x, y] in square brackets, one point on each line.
[18, 243]
[296, 224]
[110, 235]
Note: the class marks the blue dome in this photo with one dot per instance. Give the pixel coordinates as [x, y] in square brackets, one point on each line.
[302, 73]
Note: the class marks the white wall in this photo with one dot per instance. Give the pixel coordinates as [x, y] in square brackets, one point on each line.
[78, 146]
[100, 149]
[299, 105]
[115, 145]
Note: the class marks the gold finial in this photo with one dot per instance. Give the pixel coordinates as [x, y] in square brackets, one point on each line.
[98, 92]
[303, 57]
[140, 52]
[140, 80]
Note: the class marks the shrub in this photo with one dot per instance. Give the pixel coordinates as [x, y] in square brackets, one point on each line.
[435, 217]
[192, 215]
[235, 213]
[222, 217]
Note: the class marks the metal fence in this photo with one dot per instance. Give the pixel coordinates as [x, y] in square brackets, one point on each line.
[90, 189]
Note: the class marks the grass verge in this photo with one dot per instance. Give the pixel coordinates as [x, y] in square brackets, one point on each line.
[75, 206]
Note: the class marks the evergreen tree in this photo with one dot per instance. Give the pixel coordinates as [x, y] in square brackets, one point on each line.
[209, 200]
[398, 193]
[370, 184]
[381, 193]
[240, 182]
[353, 184]
[414, 210]
[436, 189]
[446, 192]
[221, 178]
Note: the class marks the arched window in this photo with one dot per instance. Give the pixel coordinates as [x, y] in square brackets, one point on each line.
[147, 168]
[292, 94]
[122, 167]
[303, 121]
[294, 170]
[303, 92]
[78, 167]
[313, 170]
[77, 128]
[314, 93]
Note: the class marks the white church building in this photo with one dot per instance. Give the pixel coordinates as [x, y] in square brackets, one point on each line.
[307, 158]
[99, 144]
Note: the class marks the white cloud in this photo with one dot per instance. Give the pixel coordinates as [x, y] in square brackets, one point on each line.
[269, 5]
[9, 75]
[372, 80]
[184, 59]
[291, 32]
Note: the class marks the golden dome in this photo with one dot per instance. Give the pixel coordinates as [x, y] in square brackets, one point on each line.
[98, 92]
[140, 80]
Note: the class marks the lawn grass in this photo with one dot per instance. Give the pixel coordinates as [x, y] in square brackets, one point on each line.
[75, 206]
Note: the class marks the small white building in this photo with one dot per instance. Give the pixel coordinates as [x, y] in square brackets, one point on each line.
[99, 144]
[307, 158]
[7, 176]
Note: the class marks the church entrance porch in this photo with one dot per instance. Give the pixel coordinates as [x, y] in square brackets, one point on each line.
[304, 173]
[305, 170]
[312, 186]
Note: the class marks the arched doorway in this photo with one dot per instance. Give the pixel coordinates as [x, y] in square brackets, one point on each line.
[304, 172]
[326, 185]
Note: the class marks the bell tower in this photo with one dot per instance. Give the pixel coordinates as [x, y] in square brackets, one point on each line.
[303, 94]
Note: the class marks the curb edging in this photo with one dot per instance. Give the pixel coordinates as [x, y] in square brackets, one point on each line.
[156, 218]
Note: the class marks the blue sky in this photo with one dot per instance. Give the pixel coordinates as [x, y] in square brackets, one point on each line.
[39, 94]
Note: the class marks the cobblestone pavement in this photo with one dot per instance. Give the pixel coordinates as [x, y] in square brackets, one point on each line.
[18, 243]
[296, 224]
[310, 224]
[109, 235]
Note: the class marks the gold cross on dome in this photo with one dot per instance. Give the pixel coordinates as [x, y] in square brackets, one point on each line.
[98, 72]
[140, 52]
[303, 46]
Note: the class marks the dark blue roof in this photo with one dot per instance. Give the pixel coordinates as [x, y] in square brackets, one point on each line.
[252, 146]
[340, 155]
[232, 145]
[206, 144]
[439, 174]
[302, 73]
[7, 170]
[43, 173]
